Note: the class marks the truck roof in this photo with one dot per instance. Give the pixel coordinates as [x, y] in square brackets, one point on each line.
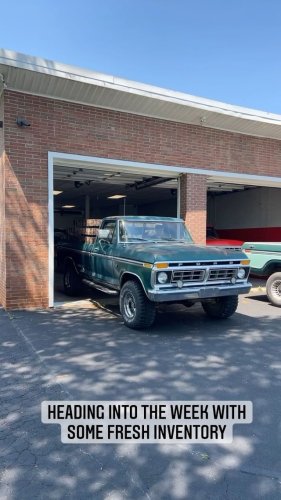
[144, 218]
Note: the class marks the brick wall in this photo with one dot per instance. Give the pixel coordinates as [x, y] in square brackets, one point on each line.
[193, 205]
[2, 210]
[73, 128]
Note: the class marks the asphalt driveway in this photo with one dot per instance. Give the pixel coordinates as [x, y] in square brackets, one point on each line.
[83, 352]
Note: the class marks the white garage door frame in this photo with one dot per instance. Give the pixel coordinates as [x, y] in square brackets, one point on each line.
[56, 158]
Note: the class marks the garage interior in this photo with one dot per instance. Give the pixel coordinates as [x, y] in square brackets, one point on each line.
[237, 210]
[92, 193]
[85, 192]
[244, 212]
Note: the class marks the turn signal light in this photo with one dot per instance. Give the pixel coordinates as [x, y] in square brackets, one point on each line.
[245, 262]
[161, 265]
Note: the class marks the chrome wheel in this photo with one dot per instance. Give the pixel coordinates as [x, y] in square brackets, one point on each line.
[129, 306]
[276, 289]
[273, 289]
[137, 311]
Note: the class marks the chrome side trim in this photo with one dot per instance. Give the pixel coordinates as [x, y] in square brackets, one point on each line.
[97, 254]
[265, 252]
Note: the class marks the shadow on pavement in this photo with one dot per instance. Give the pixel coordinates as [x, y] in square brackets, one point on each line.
[88, 354]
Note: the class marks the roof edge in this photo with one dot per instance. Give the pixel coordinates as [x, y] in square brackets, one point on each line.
[75, 73]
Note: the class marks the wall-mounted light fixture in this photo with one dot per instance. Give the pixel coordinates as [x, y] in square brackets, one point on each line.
[22, 122]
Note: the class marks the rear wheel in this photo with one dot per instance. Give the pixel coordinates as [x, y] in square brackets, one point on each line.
[188, 303]
[137, 311]
[221, 307]
[273, 289]
[71, 282]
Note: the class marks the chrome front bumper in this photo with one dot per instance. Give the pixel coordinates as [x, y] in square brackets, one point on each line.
[197, 293]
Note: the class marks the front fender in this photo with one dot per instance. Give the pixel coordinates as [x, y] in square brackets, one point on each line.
[127, 275]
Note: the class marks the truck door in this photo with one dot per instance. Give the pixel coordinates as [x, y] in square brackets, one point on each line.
[101, 257]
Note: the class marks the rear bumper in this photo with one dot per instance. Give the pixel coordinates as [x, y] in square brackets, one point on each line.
[195, 294]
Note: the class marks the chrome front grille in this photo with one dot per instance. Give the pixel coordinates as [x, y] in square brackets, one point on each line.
[188, 275]
[203, 275]
[221, 274]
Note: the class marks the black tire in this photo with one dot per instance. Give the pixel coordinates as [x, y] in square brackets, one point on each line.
[71, 282]
[137, 311]
[221, 307]
[188, 303]
[273, 289]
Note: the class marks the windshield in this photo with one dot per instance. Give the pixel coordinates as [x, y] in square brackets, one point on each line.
[133, 231]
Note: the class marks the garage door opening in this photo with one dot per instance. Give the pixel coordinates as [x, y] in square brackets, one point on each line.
[243, 212]
[84, 193]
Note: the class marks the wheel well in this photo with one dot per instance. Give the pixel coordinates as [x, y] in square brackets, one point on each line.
[274, 267]
[130, 277]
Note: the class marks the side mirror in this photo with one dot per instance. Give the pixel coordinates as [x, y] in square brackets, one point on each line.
[103, 234]
[106, 235]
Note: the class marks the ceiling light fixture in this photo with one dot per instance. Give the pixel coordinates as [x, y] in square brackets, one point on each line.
[68, 206]
[117, 196]
[55, 193]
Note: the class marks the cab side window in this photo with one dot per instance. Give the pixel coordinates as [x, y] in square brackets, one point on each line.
[111, 226]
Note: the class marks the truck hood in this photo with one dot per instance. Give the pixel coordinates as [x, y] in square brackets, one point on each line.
[155, 252]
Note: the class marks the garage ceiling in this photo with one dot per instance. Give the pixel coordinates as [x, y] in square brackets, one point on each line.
[76, 180]
[106, 176]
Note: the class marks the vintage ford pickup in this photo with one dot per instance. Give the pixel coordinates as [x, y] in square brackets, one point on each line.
[266, 262]
[148, 260]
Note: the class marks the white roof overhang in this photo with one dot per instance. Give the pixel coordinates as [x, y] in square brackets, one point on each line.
[37, 76]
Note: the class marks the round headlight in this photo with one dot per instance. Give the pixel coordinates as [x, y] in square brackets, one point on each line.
[162, 278]
[241, 273]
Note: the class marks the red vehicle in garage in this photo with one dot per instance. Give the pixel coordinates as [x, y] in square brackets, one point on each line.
[214, 239]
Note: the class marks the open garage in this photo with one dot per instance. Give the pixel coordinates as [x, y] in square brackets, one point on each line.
[87, 191]
[76, 144]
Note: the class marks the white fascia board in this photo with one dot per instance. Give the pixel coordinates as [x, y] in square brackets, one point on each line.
[51, 229]
[165, 170]
[47, 67]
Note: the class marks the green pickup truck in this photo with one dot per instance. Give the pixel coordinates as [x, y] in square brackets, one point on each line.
[266, 263]
[148, 260]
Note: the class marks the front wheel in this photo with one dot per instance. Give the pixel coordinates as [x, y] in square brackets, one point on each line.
[273, 289]
[137, 311]
[221, 307]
